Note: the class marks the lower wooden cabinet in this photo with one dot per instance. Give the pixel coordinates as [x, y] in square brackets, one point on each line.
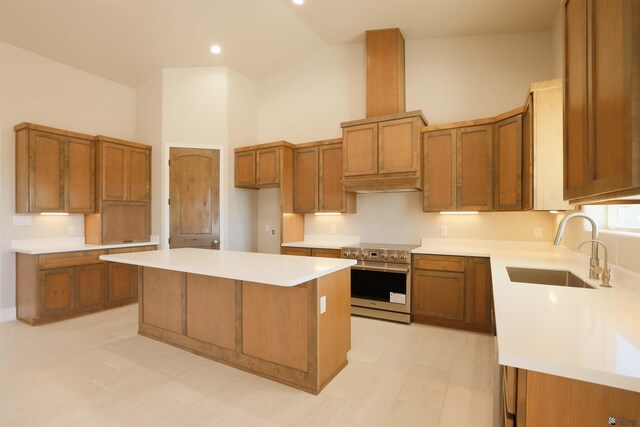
[317, 252]
[534, 399]
[57, 286]
[452, 291]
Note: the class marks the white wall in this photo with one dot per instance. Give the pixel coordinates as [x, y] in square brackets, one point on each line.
[465, 78]
[213, 106]
[38, 90]
[449, 79]
[242, 207]
[149, 131]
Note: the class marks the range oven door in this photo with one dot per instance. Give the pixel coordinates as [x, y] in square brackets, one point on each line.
[382, 286]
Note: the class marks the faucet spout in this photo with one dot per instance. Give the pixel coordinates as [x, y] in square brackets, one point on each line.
[595, 269]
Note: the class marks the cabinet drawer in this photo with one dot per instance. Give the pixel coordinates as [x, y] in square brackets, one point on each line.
[326, 253]
[132, 249]
[295, 251]
[439, 263]
[69, 259]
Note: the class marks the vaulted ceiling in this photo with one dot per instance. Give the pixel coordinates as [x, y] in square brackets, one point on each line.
[127, 41]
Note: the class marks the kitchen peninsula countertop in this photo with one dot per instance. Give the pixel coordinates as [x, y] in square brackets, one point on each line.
[588, 335]
[271, 269]
[56, 245]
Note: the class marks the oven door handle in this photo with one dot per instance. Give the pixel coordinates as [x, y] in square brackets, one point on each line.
[374, 268]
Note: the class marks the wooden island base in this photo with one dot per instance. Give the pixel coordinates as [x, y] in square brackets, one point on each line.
[276, 332]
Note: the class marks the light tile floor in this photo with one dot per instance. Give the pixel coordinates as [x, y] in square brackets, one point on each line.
[96, 371]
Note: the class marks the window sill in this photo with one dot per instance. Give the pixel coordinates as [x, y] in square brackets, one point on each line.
[634, 234]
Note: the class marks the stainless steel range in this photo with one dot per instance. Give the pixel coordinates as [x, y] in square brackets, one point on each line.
[381, 280]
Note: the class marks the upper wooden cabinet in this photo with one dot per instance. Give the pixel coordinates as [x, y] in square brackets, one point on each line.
[259, 166]
[55, 170]
[476, 165]
[124, 170]
[124, 193]
[383, 153]
[474, 152]
[317, 178]
[507, 164]
[458, 169]
[602, 99]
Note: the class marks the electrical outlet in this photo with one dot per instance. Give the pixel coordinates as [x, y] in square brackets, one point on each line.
[273, 232]
[537, 232]
[333, 229]
[22, 220]
[71, 230]
[444, 231]
[323, 304]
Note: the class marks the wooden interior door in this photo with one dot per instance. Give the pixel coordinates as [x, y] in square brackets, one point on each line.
[194, 194]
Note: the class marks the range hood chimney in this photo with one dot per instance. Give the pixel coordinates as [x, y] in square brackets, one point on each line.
[385, 72]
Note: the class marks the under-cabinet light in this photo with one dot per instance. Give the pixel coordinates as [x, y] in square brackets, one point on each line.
[298, 1]
[54, 213]
[459, 213]
[215, 49]
[328, 213]
[554, 212]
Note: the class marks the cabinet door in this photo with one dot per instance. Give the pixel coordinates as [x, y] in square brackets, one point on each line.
[398, 146]
[439, 171]
[614, 36]
[91, 285]
[332, 197]
[507, 164]
[479, 294]
[123, 281]
[80, 176]
[46, 172]
[57, 291]
[439, 295]
[245, 169]
[360, 150]
[114, 171]
[124, 222]
[305, 180]
[527, 154]
[139, 175]
[575, 99]
[268, 167]
[474, 168]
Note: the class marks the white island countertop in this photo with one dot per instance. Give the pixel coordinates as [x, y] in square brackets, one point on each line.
[271, 269]
[591, 335]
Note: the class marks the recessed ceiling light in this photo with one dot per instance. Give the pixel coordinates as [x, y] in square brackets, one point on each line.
[215, 49]
[298, 1]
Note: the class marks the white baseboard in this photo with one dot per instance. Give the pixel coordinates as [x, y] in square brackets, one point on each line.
[7, 314]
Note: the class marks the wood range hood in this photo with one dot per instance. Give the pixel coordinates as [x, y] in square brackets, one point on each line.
[383, 153]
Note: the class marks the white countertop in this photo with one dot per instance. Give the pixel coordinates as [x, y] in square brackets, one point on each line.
[324, 241]
[272, 269]
[72, 244]
[589, 335]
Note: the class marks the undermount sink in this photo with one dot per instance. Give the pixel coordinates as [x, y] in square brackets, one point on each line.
[547, 277]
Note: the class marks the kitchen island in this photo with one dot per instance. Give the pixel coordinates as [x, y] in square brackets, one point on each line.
[285, 318]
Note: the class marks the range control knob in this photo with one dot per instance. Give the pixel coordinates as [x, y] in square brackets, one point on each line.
[403, 258]
[383, 255]
[393, 257]
[355, 254]
[345, 254]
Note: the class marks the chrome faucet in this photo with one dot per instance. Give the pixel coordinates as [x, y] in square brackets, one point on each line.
[594, 263]
[606, 272]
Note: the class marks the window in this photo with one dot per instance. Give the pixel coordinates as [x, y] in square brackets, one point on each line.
[623, 217]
